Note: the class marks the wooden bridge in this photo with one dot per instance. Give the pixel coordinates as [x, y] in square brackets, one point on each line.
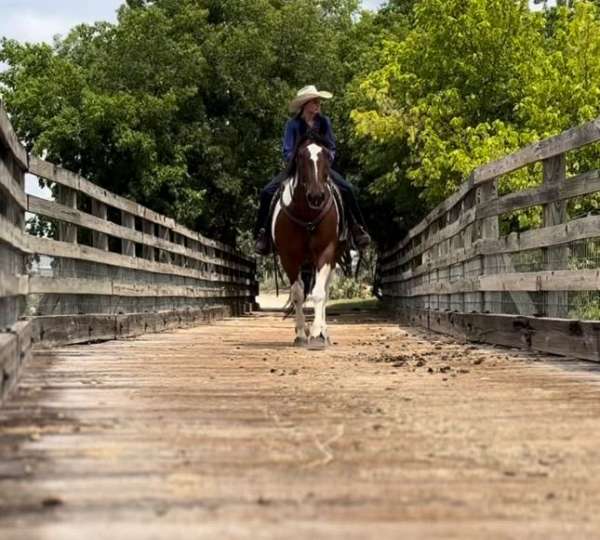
[145, 397]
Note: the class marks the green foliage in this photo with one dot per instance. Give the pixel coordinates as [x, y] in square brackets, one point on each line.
[344, 287]
[469, 82]
[180, 104]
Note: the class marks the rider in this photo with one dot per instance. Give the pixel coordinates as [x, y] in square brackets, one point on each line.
[306, 107]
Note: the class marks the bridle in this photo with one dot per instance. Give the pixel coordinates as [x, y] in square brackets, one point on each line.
[311, 225]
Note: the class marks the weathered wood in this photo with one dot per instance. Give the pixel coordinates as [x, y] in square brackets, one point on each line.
[12, 185]
[580, 229]
[71, 216]
[13, 235]
[67, 198]
[74, 216]
[447, 233]
[555, 213]
[488, 229]
[54, 285]
[573, 338]
[73, 329]
[128, 222]
[445, 206]
[149, 240]
[13, 285]
[66, 178]
[53, 248]
[9, 138]
[99, 239]
[557, 280]
[15, 351]
[548, 148]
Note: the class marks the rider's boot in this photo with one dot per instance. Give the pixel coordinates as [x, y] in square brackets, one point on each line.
[361, 236]
[261, 246]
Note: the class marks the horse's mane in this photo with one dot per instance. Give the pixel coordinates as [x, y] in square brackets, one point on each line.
[312, 136]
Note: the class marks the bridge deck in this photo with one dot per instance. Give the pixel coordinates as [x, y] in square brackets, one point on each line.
[227, 432]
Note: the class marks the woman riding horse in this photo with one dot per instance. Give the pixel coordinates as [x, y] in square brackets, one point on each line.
[306, 107]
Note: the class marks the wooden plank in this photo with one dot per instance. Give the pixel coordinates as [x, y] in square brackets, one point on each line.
[576, 339]
[71, 329]
[198, 237]
[555, 213]
[128, 222]
[11, 285]
[550, 280]
[67, 199]
[465, 220]
[15, 350]
[576, 230]
[54, 173]
[61, 176]
[13, 235]
[568, 140]
[9, 138]
[84, 286]
[445, 206]
[583, 184]
[46, 246]
[100, 239]
[74, 216]
[12, 186]
[82, 219]
[9, 364]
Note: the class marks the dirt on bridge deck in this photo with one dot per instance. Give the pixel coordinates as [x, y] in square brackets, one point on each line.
[226, 431]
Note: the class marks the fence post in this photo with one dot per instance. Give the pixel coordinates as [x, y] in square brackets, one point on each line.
[555, 213]
[67, 197]
[99, 240]
[491, 302]
[127, 246]
[148, 230]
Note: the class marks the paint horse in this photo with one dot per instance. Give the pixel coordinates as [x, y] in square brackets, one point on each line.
[305, 231]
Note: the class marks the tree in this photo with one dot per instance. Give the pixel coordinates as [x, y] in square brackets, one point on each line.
[181, 103]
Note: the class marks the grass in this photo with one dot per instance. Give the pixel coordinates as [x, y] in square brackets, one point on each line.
[355, 304]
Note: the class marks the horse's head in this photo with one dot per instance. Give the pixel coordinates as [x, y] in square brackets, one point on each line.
[312, 166]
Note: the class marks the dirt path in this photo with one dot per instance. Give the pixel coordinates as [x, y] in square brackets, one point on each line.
[228, 432]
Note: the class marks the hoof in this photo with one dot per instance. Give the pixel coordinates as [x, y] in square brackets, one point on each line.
[317, 343]
[300, 342]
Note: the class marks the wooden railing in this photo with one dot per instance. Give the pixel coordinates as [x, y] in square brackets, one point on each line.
[455, 273]
[103, 267]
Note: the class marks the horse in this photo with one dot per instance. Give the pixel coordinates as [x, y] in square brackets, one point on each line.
[305, 231]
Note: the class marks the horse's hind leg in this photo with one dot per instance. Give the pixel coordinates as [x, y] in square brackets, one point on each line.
[318, 331]
[297, 295]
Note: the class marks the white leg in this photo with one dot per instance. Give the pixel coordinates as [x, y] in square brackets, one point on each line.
[324, 330]
[319, 296]
[297, 294]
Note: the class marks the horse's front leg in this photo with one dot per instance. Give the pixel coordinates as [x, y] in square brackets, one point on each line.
[297, 294]
[318, 332]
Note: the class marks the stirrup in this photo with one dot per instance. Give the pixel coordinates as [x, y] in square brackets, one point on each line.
[261, 246]
[361, 237]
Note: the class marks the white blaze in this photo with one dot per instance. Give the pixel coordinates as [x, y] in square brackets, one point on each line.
[314, 150]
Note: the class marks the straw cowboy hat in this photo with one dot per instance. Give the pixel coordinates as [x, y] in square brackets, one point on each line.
[305, 94]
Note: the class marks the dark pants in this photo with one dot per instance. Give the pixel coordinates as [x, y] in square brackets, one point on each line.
[350, 203]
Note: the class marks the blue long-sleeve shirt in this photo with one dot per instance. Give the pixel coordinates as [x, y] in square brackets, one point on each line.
[296, 127]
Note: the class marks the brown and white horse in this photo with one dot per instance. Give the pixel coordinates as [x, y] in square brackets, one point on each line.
[305, 229]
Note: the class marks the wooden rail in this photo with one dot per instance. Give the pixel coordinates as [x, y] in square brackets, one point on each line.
[107, 267]
[454, 272]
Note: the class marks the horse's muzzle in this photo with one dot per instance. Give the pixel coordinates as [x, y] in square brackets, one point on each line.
[316, 200]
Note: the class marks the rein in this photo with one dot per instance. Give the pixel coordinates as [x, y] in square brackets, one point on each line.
[310, 226]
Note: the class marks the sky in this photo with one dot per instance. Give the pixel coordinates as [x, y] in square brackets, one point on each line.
[41, 20]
